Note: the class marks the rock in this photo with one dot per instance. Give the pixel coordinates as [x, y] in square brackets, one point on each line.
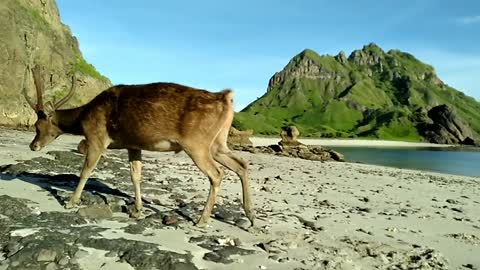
[51, 266]
[446, 127]
[264, 246]
[111, 254]
[222, 213]
[384, 258]
[469, 266]
[36, 35]
[336, 155]
[310, 224]
[96, 212]
[169, 220]
[289, 136]
[289, 146]
[452, 201]
[222, 249]
[46, 255]
[369, 55]
[276, 148]
[81, 254]
[13, 207]
[274, 257]
[64, 261]
[266, 189]
[341, 57]
[226, 242]
[242, 223]
[241, 138]
[469, 141]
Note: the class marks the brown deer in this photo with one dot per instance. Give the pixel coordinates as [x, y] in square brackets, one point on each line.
[155, 117]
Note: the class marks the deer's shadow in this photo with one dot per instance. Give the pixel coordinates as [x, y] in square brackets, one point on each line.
[61, 185]
[55, 184]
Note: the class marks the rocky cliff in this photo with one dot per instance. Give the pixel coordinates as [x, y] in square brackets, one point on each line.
[370, 93]
[31, 32]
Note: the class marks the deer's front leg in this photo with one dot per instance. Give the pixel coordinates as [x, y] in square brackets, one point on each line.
[135, 159]
[91, 160]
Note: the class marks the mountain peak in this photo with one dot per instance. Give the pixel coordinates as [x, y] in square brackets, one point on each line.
[369, 94]
[308, 53]
[373, 48]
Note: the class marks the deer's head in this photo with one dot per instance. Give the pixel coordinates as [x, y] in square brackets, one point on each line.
[46, 126]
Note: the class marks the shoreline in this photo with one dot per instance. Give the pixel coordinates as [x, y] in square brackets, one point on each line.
[265, 141]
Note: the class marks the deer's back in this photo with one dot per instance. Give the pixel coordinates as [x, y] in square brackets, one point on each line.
[148, 114]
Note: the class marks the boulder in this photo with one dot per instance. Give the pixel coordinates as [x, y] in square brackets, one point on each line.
[444, 126]
[289, 136]
[237, 137]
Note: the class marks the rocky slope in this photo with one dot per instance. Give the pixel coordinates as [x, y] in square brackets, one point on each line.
[371, 93]
[31, 32]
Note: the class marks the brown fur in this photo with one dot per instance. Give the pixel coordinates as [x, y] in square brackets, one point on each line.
[156, 117]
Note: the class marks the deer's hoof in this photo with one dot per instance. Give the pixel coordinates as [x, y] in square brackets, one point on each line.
[251, 216]
[136, 214]
[201, 223]
[70, 205]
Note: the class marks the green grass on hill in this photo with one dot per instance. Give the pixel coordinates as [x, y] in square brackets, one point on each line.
[83, 67]
[375, 94]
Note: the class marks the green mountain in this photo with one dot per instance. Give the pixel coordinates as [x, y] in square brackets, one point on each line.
[372, 93]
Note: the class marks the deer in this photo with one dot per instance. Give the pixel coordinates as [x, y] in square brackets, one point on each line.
[164, 117]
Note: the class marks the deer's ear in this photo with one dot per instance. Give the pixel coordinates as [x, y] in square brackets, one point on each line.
[41, 115]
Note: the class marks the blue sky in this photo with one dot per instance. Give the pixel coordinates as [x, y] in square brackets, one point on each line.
[214, 44]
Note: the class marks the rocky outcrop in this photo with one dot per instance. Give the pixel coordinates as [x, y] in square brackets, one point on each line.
[309, 152]
[370, 55]
[31, 33]
[341, 57]
[237, 137]
[289, 136]
[289, 146]
[445, 127]
[303, 66]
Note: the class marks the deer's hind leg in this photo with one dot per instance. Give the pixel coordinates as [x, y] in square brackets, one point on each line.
[205, 162]
[135, 159]
[238, 166]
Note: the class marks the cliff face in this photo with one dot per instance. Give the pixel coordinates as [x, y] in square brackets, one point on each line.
[370, 93]
[31, 33]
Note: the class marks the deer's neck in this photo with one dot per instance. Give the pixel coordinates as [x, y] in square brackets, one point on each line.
[69, 120]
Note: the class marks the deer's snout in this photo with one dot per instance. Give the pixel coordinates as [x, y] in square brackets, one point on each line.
[35, 146]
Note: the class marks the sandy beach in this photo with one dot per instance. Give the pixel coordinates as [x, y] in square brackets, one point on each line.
[310, 214]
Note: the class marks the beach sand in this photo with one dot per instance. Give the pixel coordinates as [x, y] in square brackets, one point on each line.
[310, 214]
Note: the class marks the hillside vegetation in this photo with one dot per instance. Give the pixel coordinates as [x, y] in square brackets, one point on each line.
[372, 93]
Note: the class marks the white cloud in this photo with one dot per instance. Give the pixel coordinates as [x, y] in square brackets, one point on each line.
[469, 20]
